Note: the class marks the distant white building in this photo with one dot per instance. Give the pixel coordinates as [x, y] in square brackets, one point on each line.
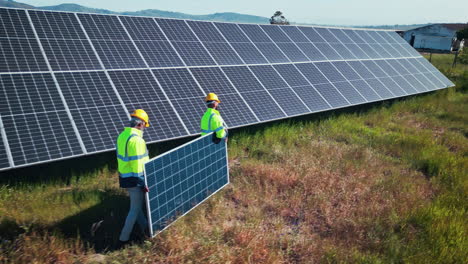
[435, 37]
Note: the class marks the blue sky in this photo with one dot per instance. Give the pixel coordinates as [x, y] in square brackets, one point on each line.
[337, 12]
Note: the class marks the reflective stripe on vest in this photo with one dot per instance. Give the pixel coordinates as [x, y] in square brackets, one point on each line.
[126, 157]
[209, 126]
[131, 174]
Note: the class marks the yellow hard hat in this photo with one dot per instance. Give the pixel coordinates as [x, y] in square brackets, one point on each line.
[141, 114]
[212, 97]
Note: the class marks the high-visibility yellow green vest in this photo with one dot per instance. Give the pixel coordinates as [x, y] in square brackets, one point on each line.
[212, 122]
[132, 155]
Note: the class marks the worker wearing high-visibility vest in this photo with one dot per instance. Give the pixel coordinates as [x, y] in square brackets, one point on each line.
[212, 120]
[132, 155]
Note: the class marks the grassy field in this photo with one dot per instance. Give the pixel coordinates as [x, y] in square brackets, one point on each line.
[386, 183]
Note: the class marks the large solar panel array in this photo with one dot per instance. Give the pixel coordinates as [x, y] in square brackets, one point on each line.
[182, 178]
[69, 80]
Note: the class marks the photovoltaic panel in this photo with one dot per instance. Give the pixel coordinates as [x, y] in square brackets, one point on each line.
[19, 49]
[92, 101]
[312, 52]
[311, 34]
[150, 97]
[249, 53]
[295, 34]
[291, 74]
[223, 53]
[275, 33]
[4, 163]
[365, 90]
[280, 90]
[333, 97]
[64, 41]
[185, 94]
[293, 53]
[104, 66]
[33, 101]
[311, 98]
[234, 110]
[183, 178]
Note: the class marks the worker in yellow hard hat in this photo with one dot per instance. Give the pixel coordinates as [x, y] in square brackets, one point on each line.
[212, 120]
[132, 155]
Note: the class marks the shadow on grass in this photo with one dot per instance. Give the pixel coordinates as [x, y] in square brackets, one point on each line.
[99, 226]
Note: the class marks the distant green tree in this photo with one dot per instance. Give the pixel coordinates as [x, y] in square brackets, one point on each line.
[278, 19]
[463, 33]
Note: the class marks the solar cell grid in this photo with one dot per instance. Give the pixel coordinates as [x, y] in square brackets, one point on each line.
[21, 55]
[328, 51]
[206, 31]
[326, 35]
[4, 162]
[223, 54]
[341, 36]
[291, 75]
[263, 105]
[77, 46]
[255, 33]
[333, 97]
[348, 91]
[393, 88]
[178, 83]
[234, 110]
[330, 71]
[275, 33]
[346, 70]
[56, 25]
[176, 30]
[356, 51]
[232, 32]
[365, 90]
[311, 98]
[312, 52]
[92, 100]
[159, 54]
[14, 24]
[311, 34]
[294, 34]
[193, 53]
[312, 73]
[32, 143]
[249, 53]
[183, 178]
[69, 55]
[342, 51]
[213, 80]
[293, 53]
[118, 54]
[141, 28]
[271, 52]
[28, 93]
[243, 79]
[98, 27]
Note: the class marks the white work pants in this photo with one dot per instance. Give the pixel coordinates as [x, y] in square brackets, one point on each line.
[135, 213]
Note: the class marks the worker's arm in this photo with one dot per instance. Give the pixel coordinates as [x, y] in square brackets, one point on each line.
[217, 124]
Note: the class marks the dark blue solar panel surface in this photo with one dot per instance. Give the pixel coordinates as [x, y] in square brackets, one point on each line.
[111, 65]
[181, 179]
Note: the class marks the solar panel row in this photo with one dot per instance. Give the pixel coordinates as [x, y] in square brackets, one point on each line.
[71, 71]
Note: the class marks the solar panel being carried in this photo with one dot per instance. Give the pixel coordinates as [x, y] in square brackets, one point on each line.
[182, 178]
[61, 73]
